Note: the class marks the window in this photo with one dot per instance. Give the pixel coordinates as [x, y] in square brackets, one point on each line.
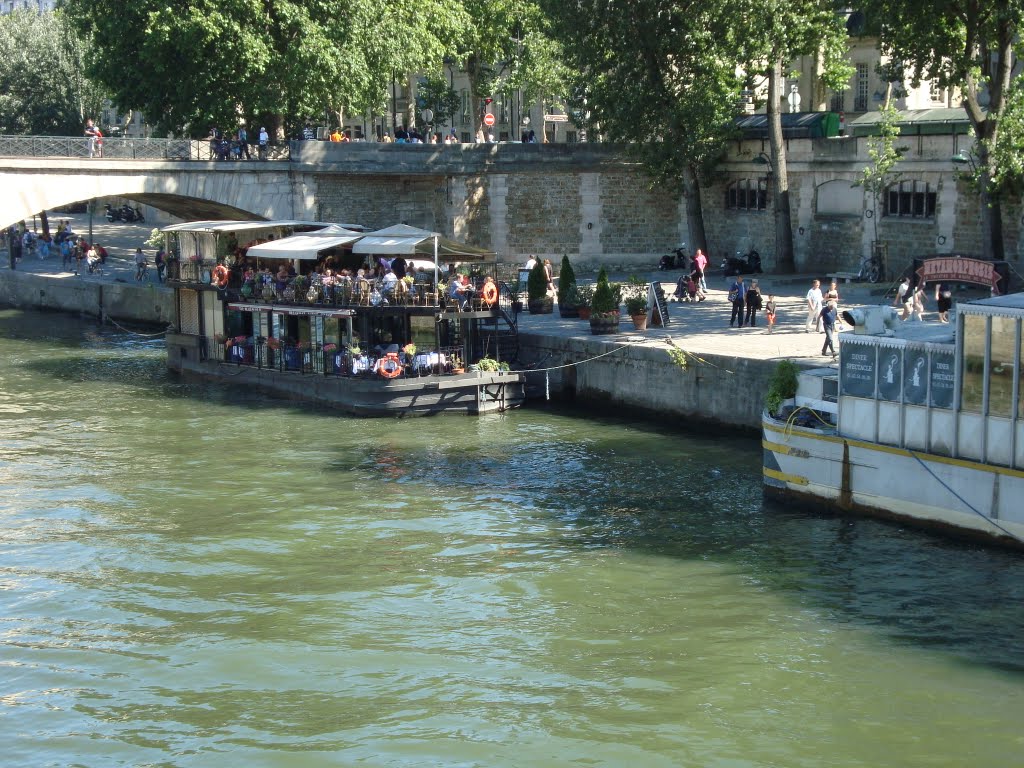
[465, 107]
[910, 199]
[972, 383]
[1001, 368]
[861, 98]
[937, 94]
[838, 101]
[747, 195]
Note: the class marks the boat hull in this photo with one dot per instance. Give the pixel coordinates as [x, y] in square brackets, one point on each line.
[819, 466]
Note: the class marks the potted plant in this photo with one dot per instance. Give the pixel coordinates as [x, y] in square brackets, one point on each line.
[566, 286]
[636, 306]
[537, 287]
[582, 295]
[781, 387]
[456, 363]
[604, 308]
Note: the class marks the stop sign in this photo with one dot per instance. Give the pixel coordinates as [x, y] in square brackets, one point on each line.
[488, 119]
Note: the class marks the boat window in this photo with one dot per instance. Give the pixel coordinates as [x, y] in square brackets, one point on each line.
[972, 382]
[1001, 368]
[1020, 379]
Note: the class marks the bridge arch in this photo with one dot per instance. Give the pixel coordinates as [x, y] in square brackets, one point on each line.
[197, 191]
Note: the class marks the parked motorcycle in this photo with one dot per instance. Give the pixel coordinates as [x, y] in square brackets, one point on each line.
[748, 263]
[674, 260]
[112, 214]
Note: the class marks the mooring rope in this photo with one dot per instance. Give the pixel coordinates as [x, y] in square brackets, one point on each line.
[135, 333]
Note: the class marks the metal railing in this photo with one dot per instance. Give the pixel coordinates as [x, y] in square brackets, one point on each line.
[125, 148]
[328, 359]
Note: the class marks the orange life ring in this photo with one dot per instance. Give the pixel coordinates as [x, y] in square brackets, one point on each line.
[220, 275]
[390, 366]
[489, 294]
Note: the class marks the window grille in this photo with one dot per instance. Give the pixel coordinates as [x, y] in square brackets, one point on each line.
[747, 195]
[910, 200]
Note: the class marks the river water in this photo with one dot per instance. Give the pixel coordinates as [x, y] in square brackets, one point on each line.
[195, 576]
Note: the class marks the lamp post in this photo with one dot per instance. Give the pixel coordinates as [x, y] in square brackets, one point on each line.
[963, 159]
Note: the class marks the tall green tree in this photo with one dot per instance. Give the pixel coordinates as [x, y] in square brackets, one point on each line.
[966, 45]
[192, 64]
[659, 76]
[772, 33]
[506, 46]
[43, 88]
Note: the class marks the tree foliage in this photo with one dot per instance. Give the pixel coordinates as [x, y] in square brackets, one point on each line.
[883, 154]
[1008, 150]
[191, 64]
[42, 87]
[968, 46]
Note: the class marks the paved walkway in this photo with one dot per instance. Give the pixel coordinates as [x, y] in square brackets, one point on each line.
[703, 328]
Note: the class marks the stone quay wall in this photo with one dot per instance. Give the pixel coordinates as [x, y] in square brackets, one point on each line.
[718, 390]
[63, 293]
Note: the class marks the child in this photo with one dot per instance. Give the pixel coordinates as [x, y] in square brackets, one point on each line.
[769, 311]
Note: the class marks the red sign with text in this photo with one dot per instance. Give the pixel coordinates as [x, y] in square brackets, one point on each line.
[488, 119]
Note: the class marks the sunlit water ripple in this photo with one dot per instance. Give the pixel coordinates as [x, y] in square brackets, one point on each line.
[195, 576]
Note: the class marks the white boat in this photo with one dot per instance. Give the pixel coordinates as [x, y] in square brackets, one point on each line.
[920, 422]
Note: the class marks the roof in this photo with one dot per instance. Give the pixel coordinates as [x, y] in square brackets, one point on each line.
[404, 240]
[795, 125]
[913, 122]
[307, 246]
[222, 225]
[1011, 301]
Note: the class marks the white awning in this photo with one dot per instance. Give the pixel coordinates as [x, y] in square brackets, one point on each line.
[403, 240]
[306, 247]
[221, 225]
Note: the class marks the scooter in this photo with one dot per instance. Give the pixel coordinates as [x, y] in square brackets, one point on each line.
[742, 264]
[674, 260]
[128, 213]
[112, 214]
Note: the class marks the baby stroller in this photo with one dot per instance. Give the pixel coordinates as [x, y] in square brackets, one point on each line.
[688, 289]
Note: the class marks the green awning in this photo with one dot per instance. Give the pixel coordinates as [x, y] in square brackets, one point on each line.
[914, 122]
[795, 125]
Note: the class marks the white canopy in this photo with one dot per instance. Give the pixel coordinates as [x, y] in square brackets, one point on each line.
[403, 240]
[221, 225]
[308, 246]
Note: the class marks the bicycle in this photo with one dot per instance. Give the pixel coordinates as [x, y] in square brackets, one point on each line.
[141, 271]
[870, 269]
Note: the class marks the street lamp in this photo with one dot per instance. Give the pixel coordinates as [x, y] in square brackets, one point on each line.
[961, 159]
[764, 159]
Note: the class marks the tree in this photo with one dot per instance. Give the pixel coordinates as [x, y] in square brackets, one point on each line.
[968, 46]
[507, 46]
[43, 90]
[658, 76]
[1008, 150]
[773, 33]
[209, 62]
[883, 154]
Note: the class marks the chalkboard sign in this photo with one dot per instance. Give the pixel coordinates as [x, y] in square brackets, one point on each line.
[657, 306]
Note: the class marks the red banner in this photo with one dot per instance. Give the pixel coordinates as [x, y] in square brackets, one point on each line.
[957, 269]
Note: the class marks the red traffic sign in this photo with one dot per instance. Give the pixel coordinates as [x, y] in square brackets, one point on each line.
[488, 119]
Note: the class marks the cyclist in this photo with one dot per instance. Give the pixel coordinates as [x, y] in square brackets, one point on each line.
[140, 265]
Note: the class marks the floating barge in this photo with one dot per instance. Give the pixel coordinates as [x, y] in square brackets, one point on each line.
[923, 424]
[364, 347]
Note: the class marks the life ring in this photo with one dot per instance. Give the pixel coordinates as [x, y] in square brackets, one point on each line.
[390, 366]
[489, 293]
[220, 276]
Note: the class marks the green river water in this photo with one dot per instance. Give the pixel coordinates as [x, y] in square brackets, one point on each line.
[195, 576]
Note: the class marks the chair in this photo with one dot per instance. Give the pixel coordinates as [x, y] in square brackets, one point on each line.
[362, 294]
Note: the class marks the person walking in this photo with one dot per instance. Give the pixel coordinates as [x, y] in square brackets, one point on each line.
[264, 144]
[828, 321]
[904, 298]
[140, 265]
[943, 301]
[814, 300]
[832, 294]
[243, 143]
[769, 312]
[737, 295]
[753, 302]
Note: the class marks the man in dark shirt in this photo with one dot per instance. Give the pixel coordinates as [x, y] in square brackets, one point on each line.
[828, 322]
[398, 266]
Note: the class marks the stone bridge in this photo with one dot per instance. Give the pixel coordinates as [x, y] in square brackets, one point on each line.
[585, 200]
[588, 201]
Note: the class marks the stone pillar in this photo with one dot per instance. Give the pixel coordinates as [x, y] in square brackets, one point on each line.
[497, 190]
[945, 219]
[591, 211]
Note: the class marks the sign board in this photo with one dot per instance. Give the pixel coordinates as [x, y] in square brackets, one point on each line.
[488, 119]
[958, 269]
[556, 118]
[657, 306]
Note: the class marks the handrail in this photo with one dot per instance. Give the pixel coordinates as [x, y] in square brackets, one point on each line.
[122, 148]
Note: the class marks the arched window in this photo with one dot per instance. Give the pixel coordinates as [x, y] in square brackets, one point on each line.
[910, 200]
[747, 195]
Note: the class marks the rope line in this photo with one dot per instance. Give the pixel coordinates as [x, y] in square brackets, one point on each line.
[135, 333]
[671, 342]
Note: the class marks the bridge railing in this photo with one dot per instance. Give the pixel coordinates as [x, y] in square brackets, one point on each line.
[124, 148]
